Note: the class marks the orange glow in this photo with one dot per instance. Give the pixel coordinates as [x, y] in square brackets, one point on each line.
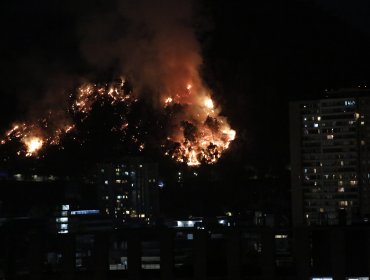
[197, 133]
[202, 135]
[168, 100]
[208, 103]
[33, 145]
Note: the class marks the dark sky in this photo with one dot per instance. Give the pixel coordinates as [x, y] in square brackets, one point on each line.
[257, 57]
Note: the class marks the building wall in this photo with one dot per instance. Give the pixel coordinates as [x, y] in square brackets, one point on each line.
[330, 159]
[128, 189]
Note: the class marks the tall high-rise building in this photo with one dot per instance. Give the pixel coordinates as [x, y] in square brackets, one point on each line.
[330, 158]
[128, 189]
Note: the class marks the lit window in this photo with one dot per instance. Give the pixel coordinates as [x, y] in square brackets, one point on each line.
[353, 182]
[315, 125]
[18, 177]
[281, 236]
[330, 136]
[349, 103]
[106, 182]
[343, 203]
[319, 118]
[63, 226]
[341, 189]
[64, 213]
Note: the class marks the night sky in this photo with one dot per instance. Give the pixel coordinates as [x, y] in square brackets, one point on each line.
[257, 57]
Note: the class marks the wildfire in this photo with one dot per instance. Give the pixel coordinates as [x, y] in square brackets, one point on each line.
[208, 103]
[202, 135]
[197, 133]
[26, 134]
[33, 145]
[168, 100]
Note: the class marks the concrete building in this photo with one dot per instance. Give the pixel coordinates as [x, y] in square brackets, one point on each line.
[330, 141]
[128, 190]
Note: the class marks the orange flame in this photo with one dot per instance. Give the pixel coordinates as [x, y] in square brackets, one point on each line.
[203, 134]
[33, 145]
[199, 133]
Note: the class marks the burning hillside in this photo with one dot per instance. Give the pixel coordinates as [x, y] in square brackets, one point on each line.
[196, 132]
[157, 48]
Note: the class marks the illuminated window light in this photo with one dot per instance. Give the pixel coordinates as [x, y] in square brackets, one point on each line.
[62, 220]
[281, 236]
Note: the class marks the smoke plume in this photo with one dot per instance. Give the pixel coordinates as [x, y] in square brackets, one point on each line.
[153, 43]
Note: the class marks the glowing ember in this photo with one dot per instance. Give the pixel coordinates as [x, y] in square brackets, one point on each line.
[89, 94]
[33, 145]
[202, 135]
[208, 103]
[197, 133]
[168, 100]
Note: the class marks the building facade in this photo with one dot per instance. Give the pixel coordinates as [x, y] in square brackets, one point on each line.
[128, 190]
[329, 143]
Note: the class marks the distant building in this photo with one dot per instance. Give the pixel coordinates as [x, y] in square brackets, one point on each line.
[86, 220]
[128, 190]
[330, 158]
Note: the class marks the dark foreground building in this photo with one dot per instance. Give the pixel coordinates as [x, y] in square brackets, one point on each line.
[29, 251]
[128, 190]
[330, 142]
